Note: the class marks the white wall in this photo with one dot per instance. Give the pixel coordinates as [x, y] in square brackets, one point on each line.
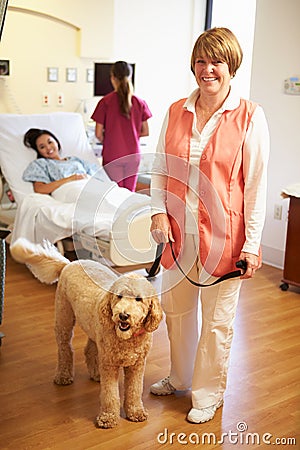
[275, 58]
[93, 18]
[33, 40]
[239, 17]
[158, 37]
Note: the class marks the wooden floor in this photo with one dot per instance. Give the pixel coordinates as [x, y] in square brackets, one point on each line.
[262, 393]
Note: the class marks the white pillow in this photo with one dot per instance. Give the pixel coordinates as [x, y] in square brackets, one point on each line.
[14, 156]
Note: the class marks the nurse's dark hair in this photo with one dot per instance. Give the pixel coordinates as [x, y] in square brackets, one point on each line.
[33, 134]
[218, 44]
[122, 72]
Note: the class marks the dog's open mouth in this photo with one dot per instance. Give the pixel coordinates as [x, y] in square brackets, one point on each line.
[124, 326]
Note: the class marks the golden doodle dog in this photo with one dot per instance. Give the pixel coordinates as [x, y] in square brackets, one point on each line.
[118, 314]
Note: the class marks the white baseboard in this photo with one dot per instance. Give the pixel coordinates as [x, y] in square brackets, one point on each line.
[273, 256]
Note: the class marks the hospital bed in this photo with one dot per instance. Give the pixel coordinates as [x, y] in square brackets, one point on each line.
[112, 225]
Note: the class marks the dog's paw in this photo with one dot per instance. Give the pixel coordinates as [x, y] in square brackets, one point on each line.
[63, 380]
[93, 371]
[95, 378]
[137, 415]
[107, 420]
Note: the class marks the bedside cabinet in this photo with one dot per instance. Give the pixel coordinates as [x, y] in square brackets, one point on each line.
[291, 271]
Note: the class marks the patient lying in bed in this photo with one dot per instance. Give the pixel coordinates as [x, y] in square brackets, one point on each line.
[82, 196]
[94, 210]
[50, 171]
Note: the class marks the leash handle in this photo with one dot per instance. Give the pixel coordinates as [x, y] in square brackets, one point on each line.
[153, 269]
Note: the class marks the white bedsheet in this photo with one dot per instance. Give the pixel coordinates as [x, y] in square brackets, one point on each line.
[90, 206]
[40, 216]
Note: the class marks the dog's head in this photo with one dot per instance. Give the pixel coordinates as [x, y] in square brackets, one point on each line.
[133, 306]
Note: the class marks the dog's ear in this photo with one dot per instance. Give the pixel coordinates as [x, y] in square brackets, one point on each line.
[105, 306]
[154, 316]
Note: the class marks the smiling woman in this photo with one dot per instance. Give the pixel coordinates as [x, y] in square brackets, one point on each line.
[208, 192]
[49, 171]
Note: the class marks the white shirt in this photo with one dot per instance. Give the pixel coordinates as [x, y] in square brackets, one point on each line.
[255, 159]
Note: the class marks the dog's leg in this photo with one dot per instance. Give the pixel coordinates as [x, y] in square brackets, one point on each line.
[109, 413]
[133, 391]
[64, 324]
[91, 359]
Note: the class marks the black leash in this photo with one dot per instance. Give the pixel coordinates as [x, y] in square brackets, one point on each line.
[155, 266]
[236, 273]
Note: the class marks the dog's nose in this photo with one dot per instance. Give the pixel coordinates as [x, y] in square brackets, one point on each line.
[123, 316]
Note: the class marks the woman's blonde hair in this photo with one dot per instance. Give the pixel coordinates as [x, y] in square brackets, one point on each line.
[122, 72]
[221, 44]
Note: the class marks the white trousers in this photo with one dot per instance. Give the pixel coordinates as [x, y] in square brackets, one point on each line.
[200, 341]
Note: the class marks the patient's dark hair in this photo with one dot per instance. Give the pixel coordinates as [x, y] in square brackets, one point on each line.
[33, 134]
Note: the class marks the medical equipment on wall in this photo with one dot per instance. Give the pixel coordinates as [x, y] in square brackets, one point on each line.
[292, 85]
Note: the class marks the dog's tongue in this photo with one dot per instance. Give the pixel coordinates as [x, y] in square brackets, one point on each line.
[124, 326]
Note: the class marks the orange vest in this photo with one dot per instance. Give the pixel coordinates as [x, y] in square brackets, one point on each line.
[221, 186]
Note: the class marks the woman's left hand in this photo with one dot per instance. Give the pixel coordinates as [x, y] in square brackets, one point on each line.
[253, 263]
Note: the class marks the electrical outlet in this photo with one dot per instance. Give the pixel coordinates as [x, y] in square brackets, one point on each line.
[46, 99]
[60, 99]
[277, 212]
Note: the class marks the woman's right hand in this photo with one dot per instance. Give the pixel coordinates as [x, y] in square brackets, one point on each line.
[76, 176]
[161, 228]
[48, 188]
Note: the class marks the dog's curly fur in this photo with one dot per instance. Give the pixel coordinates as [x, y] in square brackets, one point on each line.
[118, 314]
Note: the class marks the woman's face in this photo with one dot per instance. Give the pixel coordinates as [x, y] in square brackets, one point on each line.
[212, 76]
[47, 147]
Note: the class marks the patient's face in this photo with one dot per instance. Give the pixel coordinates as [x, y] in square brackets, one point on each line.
[47, 147]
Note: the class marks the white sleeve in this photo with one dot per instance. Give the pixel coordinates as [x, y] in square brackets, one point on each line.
[159, 173]
[255, 159]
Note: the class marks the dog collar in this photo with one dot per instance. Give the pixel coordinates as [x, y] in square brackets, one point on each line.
[138, 333]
